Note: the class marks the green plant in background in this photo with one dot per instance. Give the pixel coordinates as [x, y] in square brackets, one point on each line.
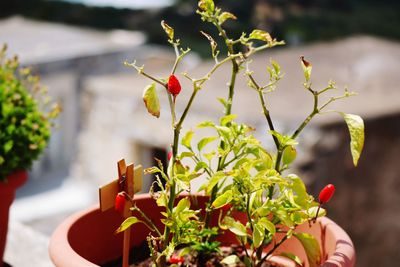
[26, 115]
[241, 176]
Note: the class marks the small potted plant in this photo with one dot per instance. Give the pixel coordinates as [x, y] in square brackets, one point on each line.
[25, 122]
[251, 208]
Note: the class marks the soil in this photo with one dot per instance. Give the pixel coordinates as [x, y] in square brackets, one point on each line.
[139, 257]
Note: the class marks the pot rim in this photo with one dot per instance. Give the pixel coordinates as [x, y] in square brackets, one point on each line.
[344, 254]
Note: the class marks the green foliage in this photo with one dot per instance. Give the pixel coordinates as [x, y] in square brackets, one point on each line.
[240, 174]
[25, 121]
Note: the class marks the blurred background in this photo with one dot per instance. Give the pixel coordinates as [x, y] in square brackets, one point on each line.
[78, 48]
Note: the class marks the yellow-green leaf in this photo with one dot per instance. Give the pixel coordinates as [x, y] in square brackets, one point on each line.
[356, 129]
[267, 225]
[231, 260]
[203, 142]
[227, 119]
[151, 101]
[223, 199]
[258, 236]
[261, 35]
[207, 5]
[293, 257]
[311, 247]
[225, 16]
[187, 139]
[168, 30]
[127, 223]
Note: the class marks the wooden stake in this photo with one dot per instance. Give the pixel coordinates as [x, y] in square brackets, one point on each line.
[130, 181]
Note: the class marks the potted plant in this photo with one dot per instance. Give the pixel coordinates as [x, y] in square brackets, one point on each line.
[25, 123]
[249, 203]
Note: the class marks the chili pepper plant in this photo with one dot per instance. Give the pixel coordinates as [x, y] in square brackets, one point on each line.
[240, 174]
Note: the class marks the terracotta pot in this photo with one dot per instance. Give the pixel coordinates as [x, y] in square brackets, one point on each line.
[7, 195]
[87, 238]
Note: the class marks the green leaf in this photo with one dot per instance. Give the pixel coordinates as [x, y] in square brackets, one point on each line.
[206, 140]
[8, 146]
[151, 101]
[128, 223]
[293, 257]
[235, 227]
[205, 124]
[200, 165]
[187, 139]
[356, 129]
[311, 247]
[261, 35]
[183, 204]
[223, 199]
[227, 119]
[225, 16]
[207, 5]
[222, 101]
[231, 260]
[168, 30]
[214, 180]
[258, 236]
[289, 155]
[267, 225]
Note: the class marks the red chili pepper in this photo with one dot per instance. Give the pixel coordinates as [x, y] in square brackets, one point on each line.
[326, 193]
[174, 87]
[175, 259]
[120, 201]
[169, 155]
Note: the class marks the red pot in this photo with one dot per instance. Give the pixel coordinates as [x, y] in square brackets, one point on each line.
[7, 195]
[87, 238]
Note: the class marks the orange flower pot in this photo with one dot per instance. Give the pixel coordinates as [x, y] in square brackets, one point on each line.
[87, 239]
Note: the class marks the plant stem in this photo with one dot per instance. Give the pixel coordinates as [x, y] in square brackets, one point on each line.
[272, 250]
[148, 221]
[309, 117]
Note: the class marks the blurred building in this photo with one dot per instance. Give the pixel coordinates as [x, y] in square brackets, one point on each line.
[104, 119]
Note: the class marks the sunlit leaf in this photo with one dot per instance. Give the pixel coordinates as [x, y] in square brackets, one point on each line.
[151, 101]
[223, 199]
[227, 119]
[293, 257]
[168, 30]
[311, 247]
[225, 16]
[128, 223]
[203, 142]
[261, 35]
[231, 260]
[356, 129]
[186, 140]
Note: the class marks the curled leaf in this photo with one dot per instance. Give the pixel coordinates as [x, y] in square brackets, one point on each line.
[151, 101]
[307, 67]
[261, 35]
[356, 129]
[225, 16]
[168, 30]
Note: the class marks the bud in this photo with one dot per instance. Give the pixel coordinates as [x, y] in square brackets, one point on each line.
[169, 156]
[326, 193]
